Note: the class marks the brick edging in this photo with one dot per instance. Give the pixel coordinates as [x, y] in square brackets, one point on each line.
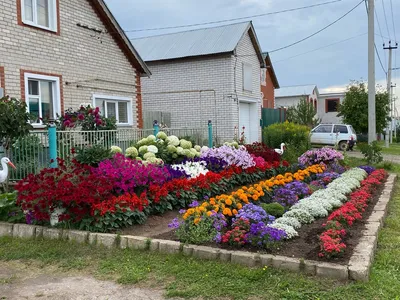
[358, 268]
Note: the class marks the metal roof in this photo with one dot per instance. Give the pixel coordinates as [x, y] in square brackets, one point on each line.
[297, 90]
[191, 43]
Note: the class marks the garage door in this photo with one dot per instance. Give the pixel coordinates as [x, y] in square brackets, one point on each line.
[244, 120]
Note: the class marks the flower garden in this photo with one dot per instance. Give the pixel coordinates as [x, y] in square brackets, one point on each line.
[233, 196]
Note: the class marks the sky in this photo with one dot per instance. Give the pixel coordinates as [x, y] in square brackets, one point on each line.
[330, 68]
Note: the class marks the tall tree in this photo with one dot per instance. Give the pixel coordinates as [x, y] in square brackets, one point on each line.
[304, 113]
[354, 108]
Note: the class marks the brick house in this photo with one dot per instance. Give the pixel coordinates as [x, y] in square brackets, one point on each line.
[206, 74]
[58, 54]
[269, 82]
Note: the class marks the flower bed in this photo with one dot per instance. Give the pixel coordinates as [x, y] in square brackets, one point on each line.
[332, 240]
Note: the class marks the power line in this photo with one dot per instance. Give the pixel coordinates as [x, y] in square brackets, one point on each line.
[394, 27]
[380, 31]
[315, 33]
[384, 13]
[233, 19]
[326, 46]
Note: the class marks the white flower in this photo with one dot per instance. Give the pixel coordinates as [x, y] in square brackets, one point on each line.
[185, 144]
[152, 149]
[289, 221]
[151, 138]
[173, 140]
[192, 169]
[179, 150]
[303, 216]
[314, 208]
[143, 149]
[131, 152]
[161, 135]
[148, 155]
[115, 149]
[290, 231]
[198, 148]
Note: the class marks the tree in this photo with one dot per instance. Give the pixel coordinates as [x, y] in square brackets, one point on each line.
[354, 108]
[304, 113]
[14, 122]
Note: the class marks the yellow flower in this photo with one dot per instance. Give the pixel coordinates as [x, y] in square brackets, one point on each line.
[196, 221]
[228, 201]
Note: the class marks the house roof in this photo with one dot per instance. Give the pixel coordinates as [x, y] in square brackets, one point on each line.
[119, 36]
[296, 90]
[198, 42]
[270, 69]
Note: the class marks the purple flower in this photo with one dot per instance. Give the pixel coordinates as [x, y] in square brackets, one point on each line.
[261, 235]
[195, 203]
[254, 214]
[231, 156]
[29, 218]
[368, 169]
[174, 224]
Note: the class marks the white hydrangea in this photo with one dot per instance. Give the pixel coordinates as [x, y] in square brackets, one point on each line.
[142, 142]
[173, 140]
[185, 144]
[290, 231]
[131, 152]
[179, 150]
[198, 148]
[161, 135]
[115, 149]
[303, 216]
[151, 138]
[152, 149]
[148, 155]
[204, 149]
[143, 149]
[289, 221]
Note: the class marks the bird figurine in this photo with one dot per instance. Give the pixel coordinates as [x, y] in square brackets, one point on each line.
[280, 151]
[5, 162]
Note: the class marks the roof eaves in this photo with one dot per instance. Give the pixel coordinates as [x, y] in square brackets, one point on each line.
[117, 28]
[256, 43]
[269, 66]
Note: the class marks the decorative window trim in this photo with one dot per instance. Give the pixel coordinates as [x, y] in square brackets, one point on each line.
[331, 99]
[55, 16]
[116, 99]
[57, 94]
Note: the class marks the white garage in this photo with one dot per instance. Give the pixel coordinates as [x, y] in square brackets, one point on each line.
[249, 119]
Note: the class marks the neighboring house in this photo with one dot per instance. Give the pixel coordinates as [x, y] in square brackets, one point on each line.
[269, 82]
[290, 95]
[58, 54]
[206, 74]
[328, 104]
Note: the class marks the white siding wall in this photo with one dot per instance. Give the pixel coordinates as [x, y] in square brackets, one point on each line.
[287, 101]
[74, 54]
[330, 117]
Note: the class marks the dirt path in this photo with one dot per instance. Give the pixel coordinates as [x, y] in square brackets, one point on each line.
[21, 281]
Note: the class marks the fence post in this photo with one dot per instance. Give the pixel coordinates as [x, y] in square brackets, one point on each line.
[156, 127]
[52, 144]
[210, 134]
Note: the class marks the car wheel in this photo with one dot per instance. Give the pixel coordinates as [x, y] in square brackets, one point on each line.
[343, 145]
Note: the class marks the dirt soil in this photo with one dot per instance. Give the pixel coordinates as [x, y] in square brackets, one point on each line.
[22, 280]
[306, 245]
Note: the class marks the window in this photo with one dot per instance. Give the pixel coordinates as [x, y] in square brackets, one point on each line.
[263, 76]
[247, 77]
[340, 129]
[40, 13]
[42, 96]
[119, 108]
[323, 129]
[331, 105]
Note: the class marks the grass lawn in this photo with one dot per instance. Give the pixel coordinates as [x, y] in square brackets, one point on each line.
[394, 148]
[187, 277]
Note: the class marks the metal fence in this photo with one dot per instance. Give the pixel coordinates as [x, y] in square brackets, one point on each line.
[30, 154]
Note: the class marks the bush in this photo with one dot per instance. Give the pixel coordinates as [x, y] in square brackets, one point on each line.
[9, 211]
[372, 153]
[92, 155]
[273, 209]
[296, 137]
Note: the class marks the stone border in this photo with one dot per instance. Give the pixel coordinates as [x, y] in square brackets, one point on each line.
[358, 268]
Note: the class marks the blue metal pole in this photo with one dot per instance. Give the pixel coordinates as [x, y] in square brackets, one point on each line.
[210, 134]
[156, 127]
[52, 145]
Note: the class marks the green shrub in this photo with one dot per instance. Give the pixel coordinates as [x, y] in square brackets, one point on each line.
[199, 233]
[9, 211]
[92, 155]
[296, 138]
[273, 209]
[372, 153]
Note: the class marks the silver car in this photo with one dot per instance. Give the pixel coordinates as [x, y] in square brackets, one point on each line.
[333, 134]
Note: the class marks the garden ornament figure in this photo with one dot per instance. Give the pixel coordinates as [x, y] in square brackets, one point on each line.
[5, 162]
[280, 151]
[351, 144]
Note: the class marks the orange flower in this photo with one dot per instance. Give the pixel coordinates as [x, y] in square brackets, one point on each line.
[234, 211]
[196, 221]
[228, 201]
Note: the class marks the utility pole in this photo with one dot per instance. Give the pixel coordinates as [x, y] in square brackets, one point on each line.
[389, 86]
[371, 73]
[392, 113]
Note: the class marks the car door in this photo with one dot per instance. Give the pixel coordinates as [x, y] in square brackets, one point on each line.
[341, 133]
[322, 134]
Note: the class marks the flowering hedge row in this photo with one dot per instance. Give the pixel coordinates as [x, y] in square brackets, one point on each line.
[332, 239]
[230, 204]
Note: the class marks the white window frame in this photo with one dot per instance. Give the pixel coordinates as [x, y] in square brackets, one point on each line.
[56, 93]
[53, 18]
[115, 99]
[247, 82]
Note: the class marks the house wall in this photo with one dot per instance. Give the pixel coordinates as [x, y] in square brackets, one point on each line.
[76, 54]
[268, 91]
[288, 101]
[246, 53]
[328, 117]
[177, 87]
